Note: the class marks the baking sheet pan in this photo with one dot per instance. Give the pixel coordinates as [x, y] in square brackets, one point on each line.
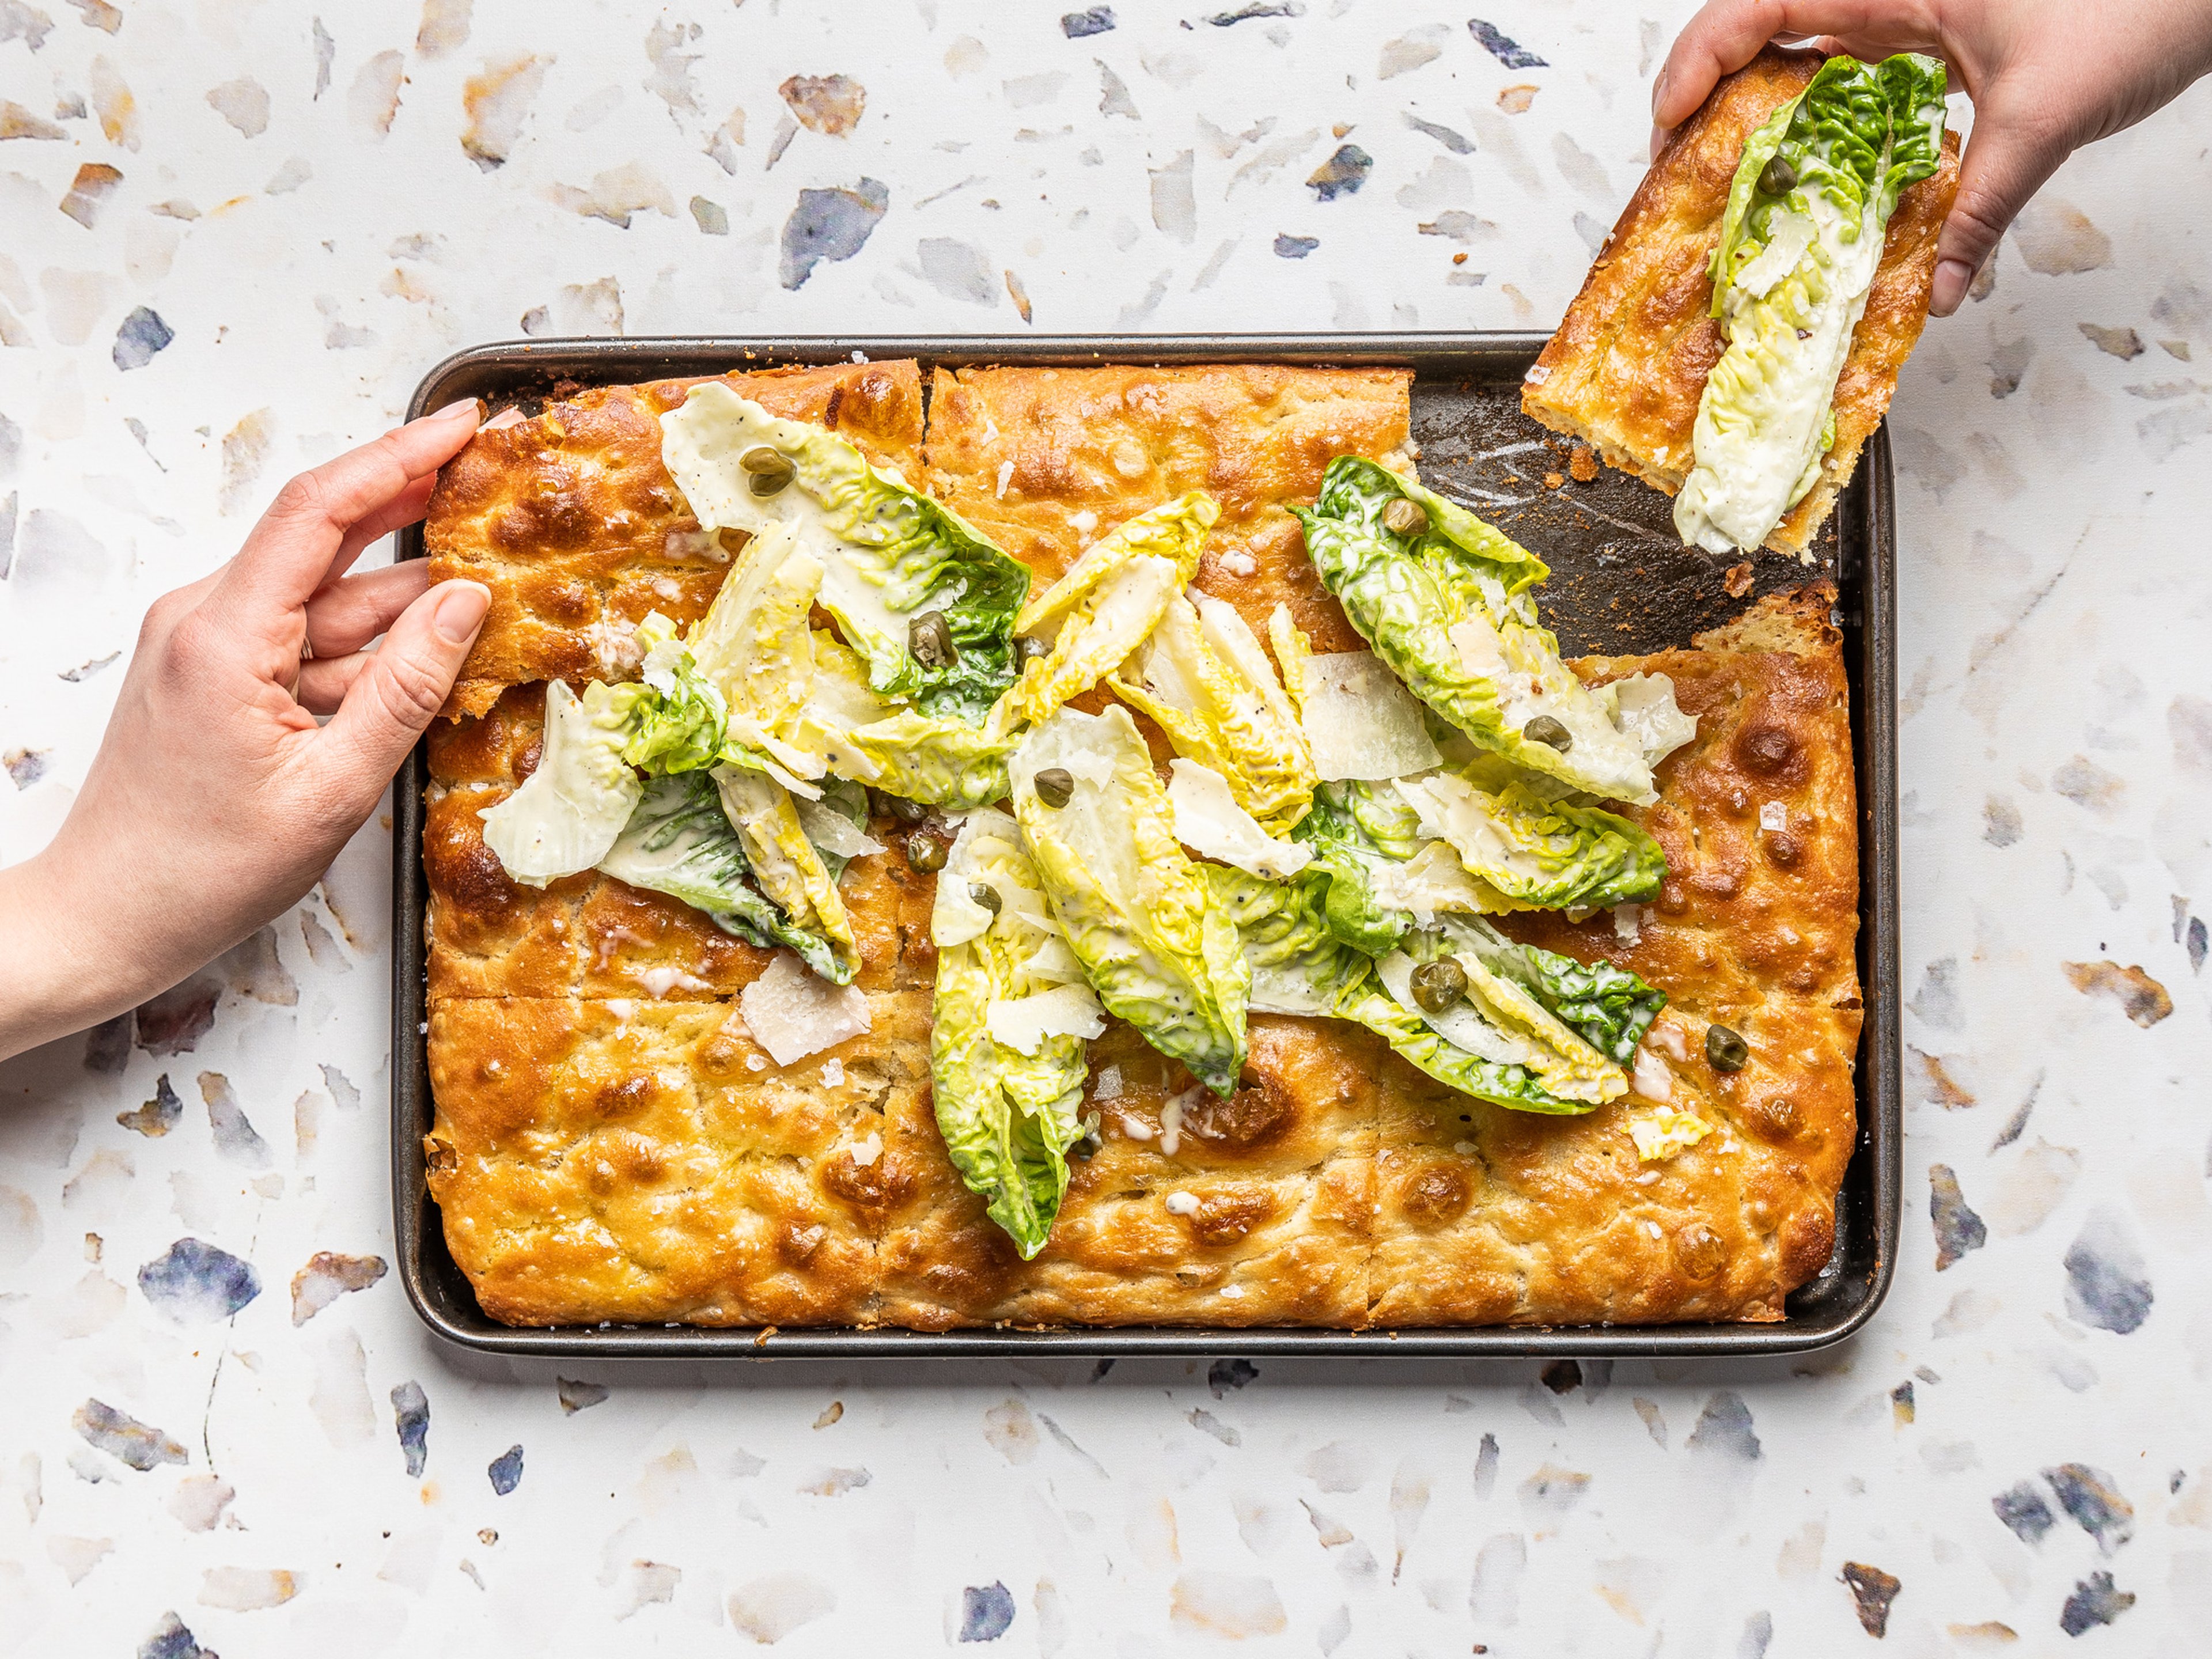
[1622, 583]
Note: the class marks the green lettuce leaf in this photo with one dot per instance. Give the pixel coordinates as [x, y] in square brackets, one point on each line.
[1612, 1007]
[1356, 830]
[1537, 854]
[1300, 966]
[570, 810]
[1135, 908]
[1449, 610]
[1499, 1020]
[784, 863]
[1203, 678]
[888, 551]
[754, 647]
[679, 841]
[675, 717]
[1108, 601]
[1009, 1109]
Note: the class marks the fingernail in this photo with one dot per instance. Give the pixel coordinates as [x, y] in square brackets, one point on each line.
[454, 410]
[461, 611]
[1658, 92]
[1949, 287]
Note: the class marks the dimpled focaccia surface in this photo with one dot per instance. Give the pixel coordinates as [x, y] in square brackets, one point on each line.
[646, 1161]
[609, 1144]
[1045, 461]
[1628, 364]
[570, 518]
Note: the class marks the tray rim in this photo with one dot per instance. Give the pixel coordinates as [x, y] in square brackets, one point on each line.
[1870, 657]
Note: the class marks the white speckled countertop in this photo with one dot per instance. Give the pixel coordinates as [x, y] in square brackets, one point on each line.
[279, 221]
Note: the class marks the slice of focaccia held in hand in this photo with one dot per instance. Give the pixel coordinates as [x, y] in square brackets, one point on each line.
[1729, 345]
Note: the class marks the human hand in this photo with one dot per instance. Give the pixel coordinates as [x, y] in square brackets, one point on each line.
[2045, 78]
[218, 799]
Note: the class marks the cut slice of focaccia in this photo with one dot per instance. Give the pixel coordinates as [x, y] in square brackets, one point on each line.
[1628, 364]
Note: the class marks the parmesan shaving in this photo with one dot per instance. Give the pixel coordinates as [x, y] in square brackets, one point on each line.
[1022, 1023]
[1208, 821]
[791, 1013]
[1644, 710]
[1361, 722]
[832, 832]
[869, 1149]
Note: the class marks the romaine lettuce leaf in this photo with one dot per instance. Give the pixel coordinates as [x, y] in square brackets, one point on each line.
[1612, 1007]
[1300, 966]
[1356, 830]
[676, 719]
[835, 823]
[1108, 602]
[1537, 854]
[888, 551]
[1449, 610]
[1499, 1021]
[679, 841]
[1205, 681]
[754, 645]
[568, 812]
[1008, 1116]
[784, 862]
[1134, 907]
[1791, 272]
[936, 759]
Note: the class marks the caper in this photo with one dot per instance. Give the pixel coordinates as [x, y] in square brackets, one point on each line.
[929, 637]
[1054, 786]
[1778, 177]
[761, 460]
[896, 806]
[1546, 730]
[1726, 1050]
[985, 895]
[1437, 985]
[1028, 649]
[925, 852]
[1406, 518]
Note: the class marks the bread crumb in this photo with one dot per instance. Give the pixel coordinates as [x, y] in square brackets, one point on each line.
[1737, 583]
[1553, 480]
[1582, 466]
[1459, 258]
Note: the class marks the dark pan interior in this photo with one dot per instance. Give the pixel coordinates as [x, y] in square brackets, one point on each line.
[1621, 583]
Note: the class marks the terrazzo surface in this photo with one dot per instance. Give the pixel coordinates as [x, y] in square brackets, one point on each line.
[232, 235]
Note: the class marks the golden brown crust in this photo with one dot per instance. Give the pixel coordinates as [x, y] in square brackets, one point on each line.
[571, 520]
[1045, 461]
[1628, 364]
[646, 1161]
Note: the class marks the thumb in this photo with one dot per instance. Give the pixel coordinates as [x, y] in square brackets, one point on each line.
[2007, 161]
[395, 696]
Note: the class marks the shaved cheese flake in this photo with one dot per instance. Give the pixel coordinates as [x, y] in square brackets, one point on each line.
[1109, 1083]
[869, 1149]
[1208, 821]
[791, 1013]
[832, 832]
[1627, 923]
[1361, 721]
[1788, 236]
[1022, 1023]
[1644, 710]
[1665, 1130]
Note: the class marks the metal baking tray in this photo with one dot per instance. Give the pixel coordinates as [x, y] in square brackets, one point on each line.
[1622, 583]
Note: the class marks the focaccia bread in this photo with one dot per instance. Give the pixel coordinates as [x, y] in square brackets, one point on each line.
[570, 518]
[1045, 461]
[1626, 368]
[610, 1145]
